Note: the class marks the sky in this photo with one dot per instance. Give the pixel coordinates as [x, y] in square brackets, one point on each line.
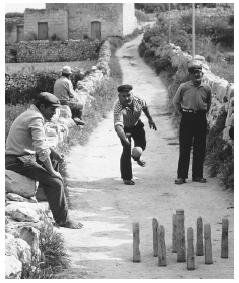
[20, 7]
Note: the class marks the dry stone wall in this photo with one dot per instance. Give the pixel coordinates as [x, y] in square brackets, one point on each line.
[51, 51]
[24, 214]
[222, 90]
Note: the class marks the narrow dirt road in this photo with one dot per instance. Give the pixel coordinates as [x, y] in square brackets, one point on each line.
[107, 207]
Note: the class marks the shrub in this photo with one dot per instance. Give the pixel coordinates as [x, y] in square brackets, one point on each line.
[219, 155]
[54, 257]
[141, 16]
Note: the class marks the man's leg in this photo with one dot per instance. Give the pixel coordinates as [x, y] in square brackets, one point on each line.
[125, 163]
[199, 147]
[76, 110]
[185, 142]
[53, 187]
[138, 135]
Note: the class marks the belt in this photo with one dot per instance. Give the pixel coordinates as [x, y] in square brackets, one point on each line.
[193, 111]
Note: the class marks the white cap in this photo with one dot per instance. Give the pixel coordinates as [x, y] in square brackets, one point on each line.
[66, 70]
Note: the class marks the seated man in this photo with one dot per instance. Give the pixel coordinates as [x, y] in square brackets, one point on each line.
[28, 153]
[63, 89]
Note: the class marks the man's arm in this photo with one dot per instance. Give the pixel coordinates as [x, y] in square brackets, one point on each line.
[209, 100]
[177, 99]
[71, 91]
[40, 145]
[150, 120]
[121, 134]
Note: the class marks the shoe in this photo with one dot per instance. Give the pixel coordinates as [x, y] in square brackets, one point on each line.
[200, 179]
[180, 181]
[141, 163]
[129, 182]
[79, 122]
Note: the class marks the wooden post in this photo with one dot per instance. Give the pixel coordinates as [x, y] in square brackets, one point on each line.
[155, 236]
[224, 244]
[208, 244]
[181, 256]
[199, 245]
[161, 247]
[136, 241]
[190, 250]
[174, 236]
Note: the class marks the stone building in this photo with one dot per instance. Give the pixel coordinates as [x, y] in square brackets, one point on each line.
[65, 21]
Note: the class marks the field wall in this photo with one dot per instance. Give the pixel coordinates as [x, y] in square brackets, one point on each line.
[51, 51]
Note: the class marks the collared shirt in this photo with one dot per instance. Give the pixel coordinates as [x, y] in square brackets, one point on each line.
[27, 135]
[191, 97]
[127, 116]
[63, 88]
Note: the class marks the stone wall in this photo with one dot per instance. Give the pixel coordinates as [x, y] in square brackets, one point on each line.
[52, 51]
[222, 90]
[81, 15]
[24, 214]
[57, 21]
[11, 28]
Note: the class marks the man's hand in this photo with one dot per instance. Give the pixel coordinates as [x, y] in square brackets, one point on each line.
[152, 124]
[57, 175]
[57, 156]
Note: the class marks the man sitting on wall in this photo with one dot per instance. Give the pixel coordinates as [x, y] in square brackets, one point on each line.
[63, 89]
[28, 153]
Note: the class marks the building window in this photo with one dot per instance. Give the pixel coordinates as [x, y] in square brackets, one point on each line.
[96, 30]
[42, 31]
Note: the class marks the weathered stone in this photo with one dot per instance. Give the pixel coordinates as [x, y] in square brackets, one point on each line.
[31, 236]
[13, 267]
[16, 197]
[18, 248]
[19, 184]
[24, 211]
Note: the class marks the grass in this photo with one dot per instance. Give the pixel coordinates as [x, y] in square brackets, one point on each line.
[28, 68]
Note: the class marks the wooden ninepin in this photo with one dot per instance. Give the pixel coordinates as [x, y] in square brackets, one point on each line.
[181, 255]
[190, 250]
[155, 236]
[136, 241]
[224, 243]
[208, 244]
[161, 247]
[199, 245]
[174, 235]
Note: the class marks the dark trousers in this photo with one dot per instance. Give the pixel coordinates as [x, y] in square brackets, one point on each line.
[76, 108]
[138, 135]
[193, 130]
[53, 187]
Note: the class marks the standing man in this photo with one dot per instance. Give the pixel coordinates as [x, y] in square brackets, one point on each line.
[63, 89]
[27, 153]
[127, 112]
[193, 100]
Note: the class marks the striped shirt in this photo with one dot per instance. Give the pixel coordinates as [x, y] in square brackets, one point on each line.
[127, 117]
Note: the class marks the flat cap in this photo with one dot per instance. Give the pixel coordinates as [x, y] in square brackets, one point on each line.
[48, 98]
[125, 88]
[194, 66]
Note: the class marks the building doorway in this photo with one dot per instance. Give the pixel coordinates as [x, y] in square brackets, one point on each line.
[96, 30]
[20, 33]
[42, 31]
